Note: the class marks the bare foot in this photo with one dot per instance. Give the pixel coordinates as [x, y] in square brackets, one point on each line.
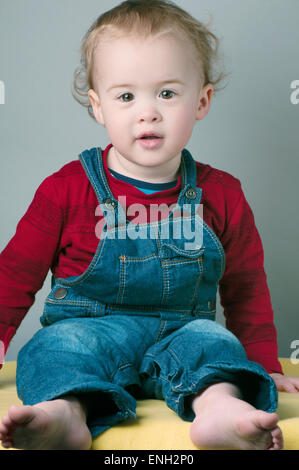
[58, 424]
[224, 421]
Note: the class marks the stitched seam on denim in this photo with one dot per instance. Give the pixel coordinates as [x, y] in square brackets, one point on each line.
[191, 260]
[122, 280]
[166, 263]
[102, 173]
[158, 241]
[178, 361]
[215, 239]
[173, 354]
[178, 385]
[89, 269]
[203, 312]
[217, 244]
[183, 178]
[65, 302]
[135, 260]
[161, 330]
[178, 310]
[123, 366]
[164, 279]
[196, 254]
[94, 185]
[166, 282]
[196, 288]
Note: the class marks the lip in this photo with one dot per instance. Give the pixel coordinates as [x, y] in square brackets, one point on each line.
[148, 133]
[151, 143]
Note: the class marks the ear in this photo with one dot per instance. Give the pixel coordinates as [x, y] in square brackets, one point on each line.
[96, 106]
[205, 98]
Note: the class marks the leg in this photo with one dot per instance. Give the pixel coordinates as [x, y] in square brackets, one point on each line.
[72, 376]
[192, 363]
[224, 421]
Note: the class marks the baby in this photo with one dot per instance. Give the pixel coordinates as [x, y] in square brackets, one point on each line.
[130, 313]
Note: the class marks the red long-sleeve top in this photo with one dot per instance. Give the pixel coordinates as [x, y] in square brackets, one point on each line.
[57, 233]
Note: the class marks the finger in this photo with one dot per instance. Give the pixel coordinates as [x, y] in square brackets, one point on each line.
[290, 388]
[285, 386]
[296, 387]
[294, 381]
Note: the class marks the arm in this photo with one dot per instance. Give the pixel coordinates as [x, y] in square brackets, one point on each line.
[243, 289]
[25, 261]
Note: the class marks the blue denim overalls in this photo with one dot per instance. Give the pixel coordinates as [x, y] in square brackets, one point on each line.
[139, 322]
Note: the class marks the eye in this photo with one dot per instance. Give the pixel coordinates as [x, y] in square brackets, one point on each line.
[165, 92]
[122, 97]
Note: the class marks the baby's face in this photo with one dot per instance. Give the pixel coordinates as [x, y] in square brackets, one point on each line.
[149, 85]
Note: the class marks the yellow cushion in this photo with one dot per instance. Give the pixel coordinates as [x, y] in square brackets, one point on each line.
[157, 427]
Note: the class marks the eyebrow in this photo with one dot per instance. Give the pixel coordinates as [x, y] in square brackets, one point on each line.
[126, 85]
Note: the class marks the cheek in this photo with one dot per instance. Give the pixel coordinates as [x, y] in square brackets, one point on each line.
[116, 125]
[185, 122]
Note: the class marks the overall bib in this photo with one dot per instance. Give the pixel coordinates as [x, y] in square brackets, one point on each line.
[139, 322]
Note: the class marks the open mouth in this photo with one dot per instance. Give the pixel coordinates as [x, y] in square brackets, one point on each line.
[150, 141]
[150, 137]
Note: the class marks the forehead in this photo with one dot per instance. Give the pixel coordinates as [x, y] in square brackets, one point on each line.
[156, 57]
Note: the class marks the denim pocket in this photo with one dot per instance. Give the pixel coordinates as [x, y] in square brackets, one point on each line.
[170, 279]
[182, 273]
[140, 280]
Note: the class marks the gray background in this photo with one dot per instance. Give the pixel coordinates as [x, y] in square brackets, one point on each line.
[251, 130]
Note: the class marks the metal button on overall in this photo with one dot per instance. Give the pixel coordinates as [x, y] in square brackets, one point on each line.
[60, 293]
[191, 194]
[110, 204]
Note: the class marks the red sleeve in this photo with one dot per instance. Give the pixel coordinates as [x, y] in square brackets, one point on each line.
[244, 292]
[25, 261]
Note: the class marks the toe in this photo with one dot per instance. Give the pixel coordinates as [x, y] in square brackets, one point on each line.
[266, 421]
[277, 439]
[6, 427]
[6, 421]
[3, 430]
[21, 414]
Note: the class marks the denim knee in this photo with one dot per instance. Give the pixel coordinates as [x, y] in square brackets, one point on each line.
[62, 359]
[196, 356]
[216, 341]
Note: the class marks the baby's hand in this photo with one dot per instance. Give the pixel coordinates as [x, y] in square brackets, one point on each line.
[285, 383]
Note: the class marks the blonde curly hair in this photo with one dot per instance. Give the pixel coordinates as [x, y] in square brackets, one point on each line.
[147, 18]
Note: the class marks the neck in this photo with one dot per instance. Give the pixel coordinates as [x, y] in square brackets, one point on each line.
[161, 174]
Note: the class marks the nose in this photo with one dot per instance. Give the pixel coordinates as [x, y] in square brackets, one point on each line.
[149, 113]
